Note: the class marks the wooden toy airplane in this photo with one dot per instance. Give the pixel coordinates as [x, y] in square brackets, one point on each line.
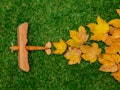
[23, 49]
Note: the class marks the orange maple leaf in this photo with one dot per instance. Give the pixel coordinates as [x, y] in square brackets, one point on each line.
[78, 38]
[114, 33]
[115, 23]
[73, 55]
[90, 53]
[114, 47]
[100, 30]
[116, 74]
[110, 62]
[108, 40]
[112, 41]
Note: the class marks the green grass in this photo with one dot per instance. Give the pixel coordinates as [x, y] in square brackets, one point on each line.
[50, 20]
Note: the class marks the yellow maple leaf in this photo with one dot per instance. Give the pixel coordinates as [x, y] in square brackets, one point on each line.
[109, 62]
[78, 38]
[90, 53]
[73, 55]
[60, 47]
[116, 75]
[118, 11]
[72, 43]
[115, 23]
[99, 30]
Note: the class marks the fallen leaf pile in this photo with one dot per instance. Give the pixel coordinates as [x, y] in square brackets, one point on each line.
[78, 47]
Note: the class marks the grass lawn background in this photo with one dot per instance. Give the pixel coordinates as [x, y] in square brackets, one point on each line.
[50, 20]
